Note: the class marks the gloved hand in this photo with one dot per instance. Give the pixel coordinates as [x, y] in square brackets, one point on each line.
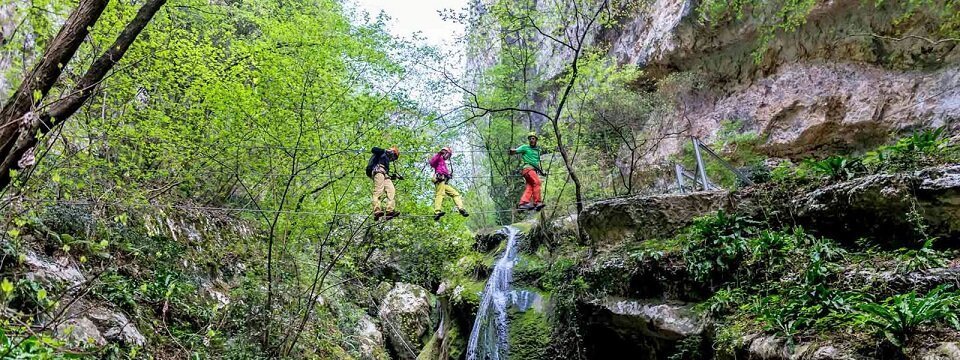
[396, 177]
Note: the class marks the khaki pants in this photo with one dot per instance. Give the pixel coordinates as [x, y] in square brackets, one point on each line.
[380, 184]
[446, 190]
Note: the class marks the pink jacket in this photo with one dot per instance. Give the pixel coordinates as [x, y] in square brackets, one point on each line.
[439, 165]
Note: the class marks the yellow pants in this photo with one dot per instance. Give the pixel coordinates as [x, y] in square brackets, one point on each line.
[444, 189]
[382, 183]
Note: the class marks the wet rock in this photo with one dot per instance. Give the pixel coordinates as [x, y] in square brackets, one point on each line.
[405, 315]
[659, 320]
[634, 219]
[489, 240]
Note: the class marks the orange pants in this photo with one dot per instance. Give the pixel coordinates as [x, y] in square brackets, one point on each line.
[532, 191]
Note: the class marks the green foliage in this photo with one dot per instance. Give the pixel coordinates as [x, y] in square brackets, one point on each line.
[723, 302]
[897, 317]
[716, 243]
[562, 274]
[921, 149]
[942, 17]
[808, 300]
[909, 260]
[787, 174]
[690, 348]
[40, 347]
[773, 17]
[838, 168]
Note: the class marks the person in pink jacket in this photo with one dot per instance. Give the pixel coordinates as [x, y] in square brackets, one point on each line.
[441, 178]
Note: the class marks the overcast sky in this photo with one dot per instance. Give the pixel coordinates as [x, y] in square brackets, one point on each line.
[411, 16]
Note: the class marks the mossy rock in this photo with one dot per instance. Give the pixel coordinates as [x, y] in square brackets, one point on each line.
[451, 347]
[529, 335]
[528, 270]
[467, 293]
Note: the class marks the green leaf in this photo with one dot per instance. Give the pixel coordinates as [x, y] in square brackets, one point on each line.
[6, 286]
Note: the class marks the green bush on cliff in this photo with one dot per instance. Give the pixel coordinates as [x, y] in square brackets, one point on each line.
[921, 149]
[716, 244]
[898, 316]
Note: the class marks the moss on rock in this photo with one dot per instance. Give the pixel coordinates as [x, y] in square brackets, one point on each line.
[529, 335]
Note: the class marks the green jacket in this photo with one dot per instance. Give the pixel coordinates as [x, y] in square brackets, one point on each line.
[530, 156]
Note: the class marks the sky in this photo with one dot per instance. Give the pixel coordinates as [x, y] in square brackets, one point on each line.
[410, 16]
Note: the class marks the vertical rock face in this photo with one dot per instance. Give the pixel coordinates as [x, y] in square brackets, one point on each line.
[838, 82]
[405, 315]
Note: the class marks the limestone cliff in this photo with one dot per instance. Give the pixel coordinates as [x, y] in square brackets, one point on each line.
[849, 77]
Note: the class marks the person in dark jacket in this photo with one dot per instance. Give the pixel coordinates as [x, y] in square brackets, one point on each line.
[378, 169]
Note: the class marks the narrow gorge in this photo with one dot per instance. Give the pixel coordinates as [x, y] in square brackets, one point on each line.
[620, 179]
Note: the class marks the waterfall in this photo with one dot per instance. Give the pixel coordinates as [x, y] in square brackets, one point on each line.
[488, 339]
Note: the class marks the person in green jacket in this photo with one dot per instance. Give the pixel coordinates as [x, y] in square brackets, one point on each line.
[530, 155]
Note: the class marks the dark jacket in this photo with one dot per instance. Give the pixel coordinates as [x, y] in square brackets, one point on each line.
[379, 157]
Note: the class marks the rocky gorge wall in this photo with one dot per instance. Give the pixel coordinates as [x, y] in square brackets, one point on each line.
[848, 78]
[632, 287]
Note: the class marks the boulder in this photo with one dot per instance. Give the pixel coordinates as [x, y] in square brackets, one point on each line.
[116, 327]
[613, 222]
[405, 315]
[945, 351]
[98, 325]
[80, 331]
[880, 206]
[372, 344]
[59, 270]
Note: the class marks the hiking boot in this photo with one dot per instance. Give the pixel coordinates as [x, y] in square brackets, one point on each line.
[438, 215]
[538, 207]
[525, 207]
[390, 215]
[463, 212]
[377, 215]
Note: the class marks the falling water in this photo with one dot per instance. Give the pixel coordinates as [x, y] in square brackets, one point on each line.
[488, 339]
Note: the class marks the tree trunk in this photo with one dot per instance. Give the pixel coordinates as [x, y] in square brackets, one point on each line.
[35, 86]
[20, 138]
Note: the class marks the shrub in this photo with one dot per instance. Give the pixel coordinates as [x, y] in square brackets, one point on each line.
[32, 347]
[716, 243]
[898, 316]
[838, 168]
[920, 259]
[921, 149]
